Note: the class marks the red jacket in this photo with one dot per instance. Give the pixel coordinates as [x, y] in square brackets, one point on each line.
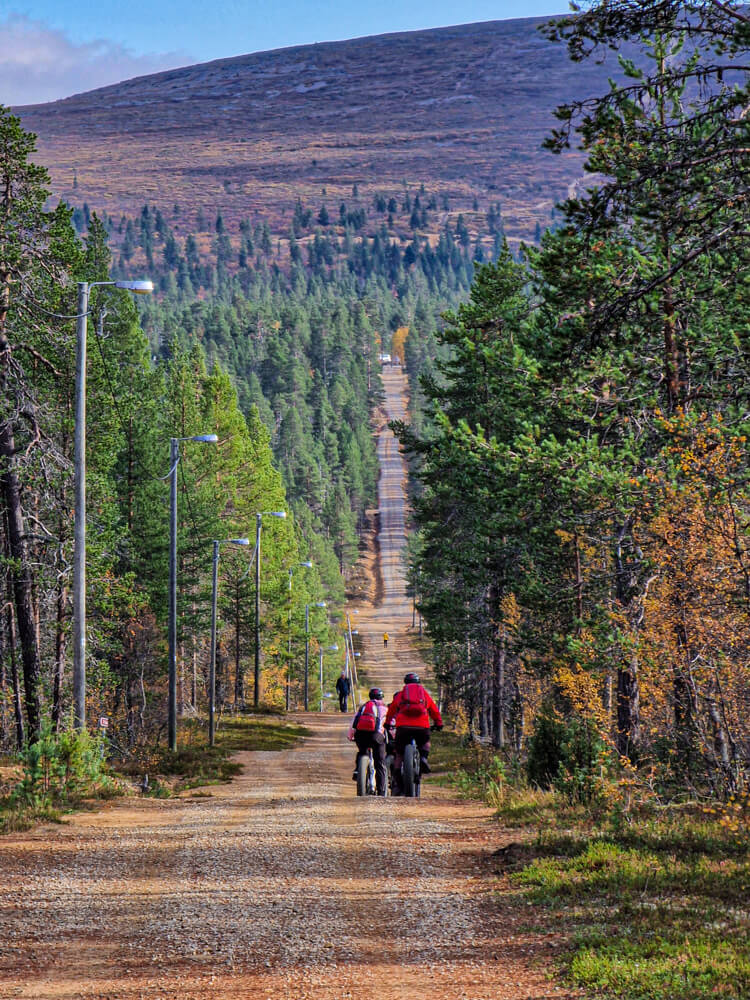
[417, 721]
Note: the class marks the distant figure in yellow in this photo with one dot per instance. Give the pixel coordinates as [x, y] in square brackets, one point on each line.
[385, 640]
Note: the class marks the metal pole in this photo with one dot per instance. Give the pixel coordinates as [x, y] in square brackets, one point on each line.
[79, 540]
[307, 657]
[321, 678]
[174, 457]
[256, 692]
[349, 673]
[353, 664]
[212, 664]
[289, 645]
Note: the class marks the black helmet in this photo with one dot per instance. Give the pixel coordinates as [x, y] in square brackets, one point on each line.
[376, 694]
[411, 678]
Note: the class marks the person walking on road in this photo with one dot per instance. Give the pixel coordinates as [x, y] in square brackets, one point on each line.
[385, 640]
[343, 690]
[368, 732]
[412, 709]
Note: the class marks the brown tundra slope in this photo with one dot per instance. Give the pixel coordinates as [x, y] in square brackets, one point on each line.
[462, 110]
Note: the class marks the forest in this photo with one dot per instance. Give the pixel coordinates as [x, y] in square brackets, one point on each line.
[577, 432]
[275, 349]
[581, 470]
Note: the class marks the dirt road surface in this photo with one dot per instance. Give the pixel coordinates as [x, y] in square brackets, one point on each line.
[280, 884]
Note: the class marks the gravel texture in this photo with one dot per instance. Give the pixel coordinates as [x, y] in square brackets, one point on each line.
[283, 883]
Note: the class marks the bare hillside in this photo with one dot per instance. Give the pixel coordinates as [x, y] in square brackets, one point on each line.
[462, 110]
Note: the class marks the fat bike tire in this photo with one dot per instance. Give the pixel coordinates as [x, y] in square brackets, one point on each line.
[362, 765]
[372, 788]
[411, 772]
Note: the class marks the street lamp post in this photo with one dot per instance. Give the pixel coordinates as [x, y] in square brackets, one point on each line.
[319, 604]
[308, 565]
[328, 649]
[79, 530]
[174, 459]
[258, 524]
[212, 664]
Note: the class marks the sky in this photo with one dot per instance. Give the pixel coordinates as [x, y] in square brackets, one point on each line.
[53, 48]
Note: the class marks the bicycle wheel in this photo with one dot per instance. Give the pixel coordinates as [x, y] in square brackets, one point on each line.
[411, 771]
[371, 787]
[362, 765]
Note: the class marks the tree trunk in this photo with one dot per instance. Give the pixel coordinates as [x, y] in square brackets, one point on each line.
[239, 686]
[628, 710]
[17, 706]
[60, 648]
[498, 697]
[23, 584]
[483, 721]
[721, 744]
[628, 691]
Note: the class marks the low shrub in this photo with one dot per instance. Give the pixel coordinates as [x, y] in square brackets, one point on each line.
[59, 769]
[568, 755]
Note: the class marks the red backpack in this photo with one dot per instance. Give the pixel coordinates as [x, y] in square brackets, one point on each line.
[413, 702]
[368, 719]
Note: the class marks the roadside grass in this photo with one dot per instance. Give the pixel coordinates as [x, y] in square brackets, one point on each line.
[652, 916]
[649, 903]
[476, 771]
[32, 792]
[57, 774]
[194, 763]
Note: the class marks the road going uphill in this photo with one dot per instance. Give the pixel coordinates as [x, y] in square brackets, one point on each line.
[281, 884]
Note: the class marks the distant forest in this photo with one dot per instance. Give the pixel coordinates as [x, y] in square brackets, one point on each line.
[299, 323]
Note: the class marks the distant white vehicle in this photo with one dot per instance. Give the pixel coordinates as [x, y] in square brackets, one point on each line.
[385, 359]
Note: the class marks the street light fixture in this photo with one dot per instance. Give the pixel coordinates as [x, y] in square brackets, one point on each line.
[212, 664]
[258, 523]
[328, 649]
[174, 459]
[318, 604]
[308, 565]
[79, 531]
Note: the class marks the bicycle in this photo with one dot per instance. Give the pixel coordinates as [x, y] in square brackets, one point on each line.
[411, 771]
[366, 774]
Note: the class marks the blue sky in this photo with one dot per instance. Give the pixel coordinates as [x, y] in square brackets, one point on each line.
[53, 48]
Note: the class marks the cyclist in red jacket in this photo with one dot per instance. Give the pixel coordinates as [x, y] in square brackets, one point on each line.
[411, 710]
[367, 731]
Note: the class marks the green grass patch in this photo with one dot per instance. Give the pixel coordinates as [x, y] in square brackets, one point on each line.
[659, 910]
[449, 755]
[194, 763]
[654, 903]
[66, 772]
[56, 774]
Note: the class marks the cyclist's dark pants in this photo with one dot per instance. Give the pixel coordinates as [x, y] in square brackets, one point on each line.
[377, 741]
[404, 736]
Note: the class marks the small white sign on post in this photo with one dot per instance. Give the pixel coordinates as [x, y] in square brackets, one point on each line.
[104, 722]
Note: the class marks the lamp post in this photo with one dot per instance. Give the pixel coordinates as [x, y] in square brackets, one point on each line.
[79, 531]
[258, 523]
[308, 565]
[174, 460]
[319, 604]
[212, 664]
[328, 649]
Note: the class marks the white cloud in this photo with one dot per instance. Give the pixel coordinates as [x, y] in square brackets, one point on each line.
[38, 63]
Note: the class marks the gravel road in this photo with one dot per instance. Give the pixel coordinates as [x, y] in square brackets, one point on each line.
[280, 884]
